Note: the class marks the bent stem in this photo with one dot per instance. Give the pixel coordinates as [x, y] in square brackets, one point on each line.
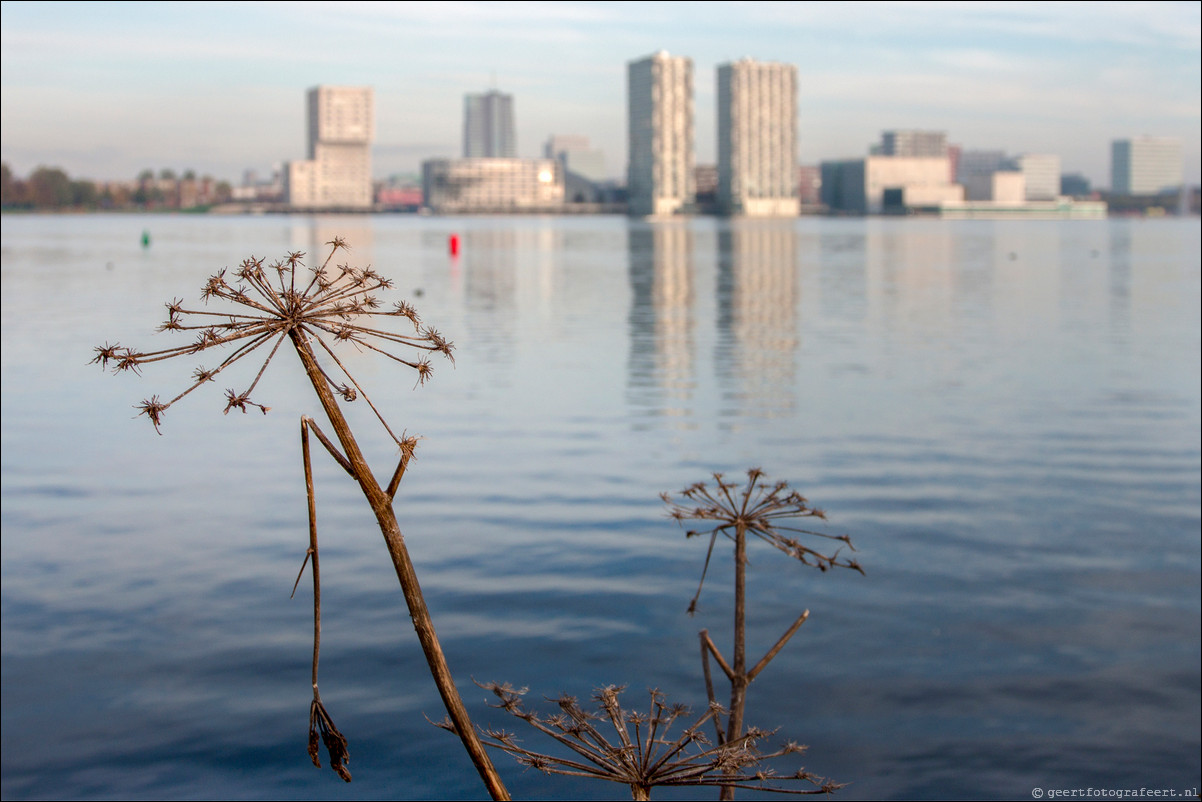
[381, 504]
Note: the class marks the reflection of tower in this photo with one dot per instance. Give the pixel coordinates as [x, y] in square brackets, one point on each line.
[661, 316]
[757, 317]
[312, 235]
[490, 288]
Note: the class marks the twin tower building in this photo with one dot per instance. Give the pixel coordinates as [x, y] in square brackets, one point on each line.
[757, 138]
[757, 144]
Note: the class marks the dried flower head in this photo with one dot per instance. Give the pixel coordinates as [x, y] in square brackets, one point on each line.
[335, 303]
[760, 509]
[640, 751]
[322, 729]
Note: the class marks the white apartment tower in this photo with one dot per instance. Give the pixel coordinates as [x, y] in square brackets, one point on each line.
[1145, 165]
[488, 129]
[757, 139]
[660, 116]
[337, 174]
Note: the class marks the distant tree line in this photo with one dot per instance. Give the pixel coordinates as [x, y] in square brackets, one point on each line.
[50, 188]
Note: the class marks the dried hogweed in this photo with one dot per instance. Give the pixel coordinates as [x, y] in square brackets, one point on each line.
[640, 752]
[761, 510]
[765, 511]
[312, 309]
[328, 304]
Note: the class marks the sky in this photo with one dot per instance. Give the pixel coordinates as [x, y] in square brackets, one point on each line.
[105, 90]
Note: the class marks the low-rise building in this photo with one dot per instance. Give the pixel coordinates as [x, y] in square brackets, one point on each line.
[877, 184]
[457, 186]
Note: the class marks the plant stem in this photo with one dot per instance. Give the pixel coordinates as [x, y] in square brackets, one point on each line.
[316, 567]
[381, 504]
[738, 680]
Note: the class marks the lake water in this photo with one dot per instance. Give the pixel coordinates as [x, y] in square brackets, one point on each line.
[1004, 417]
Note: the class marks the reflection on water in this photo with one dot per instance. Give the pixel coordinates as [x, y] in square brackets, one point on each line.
[662, 346]
[1005, 416]
[757, 316]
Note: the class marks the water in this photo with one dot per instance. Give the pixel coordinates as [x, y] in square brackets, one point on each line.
[1004, 416]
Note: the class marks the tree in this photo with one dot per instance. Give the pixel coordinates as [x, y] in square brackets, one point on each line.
[12, 189]
[84, 194]
[49, 188]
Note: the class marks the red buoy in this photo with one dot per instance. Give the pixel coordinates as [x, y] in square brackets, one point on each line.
[453, 244]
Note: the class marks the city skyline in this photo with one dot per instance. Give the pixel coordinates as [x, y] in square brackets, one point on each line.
[104, 91]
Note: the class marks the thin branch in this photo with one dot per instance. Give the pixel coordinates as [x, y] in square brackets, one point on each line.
[780, 644]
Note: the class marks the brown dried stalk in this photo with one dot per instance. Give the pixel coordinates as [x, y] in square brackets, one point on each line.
[640, 752]
[763, 511]
[311, 311]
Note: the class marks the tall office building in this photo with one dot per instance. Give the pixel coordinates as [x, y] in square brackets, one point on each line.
[660, 116]
[757, 139]
[1145, 165]
[488, 131]
[337, 173]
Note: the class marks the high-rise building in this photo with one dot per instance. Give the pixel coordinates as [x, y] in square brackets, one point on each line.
[337, 173]
[757, 139]
[660, 116]
[488, 131]
[1145, 165]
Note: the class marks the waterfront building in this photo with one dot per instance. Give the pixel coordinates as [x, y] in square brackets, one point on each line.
[337, 172]
[488, 127]
[809, 185]
[757, 139]
[878, 184]
[456, 186]
[1145, 165]
[583, 166]
[913, 144]
[1041, 171]
[975, 169]
[1075, 185]
[661, 135]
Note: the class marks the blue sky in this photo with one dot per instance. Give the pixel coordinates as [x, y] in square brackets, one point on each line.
[104, 90]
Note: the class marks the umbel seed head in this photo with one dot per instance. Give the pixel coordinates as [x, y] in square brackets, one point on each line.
[319, 308]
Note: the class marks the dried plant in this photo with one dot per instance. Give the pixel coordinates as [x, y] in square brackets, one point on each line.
[765, 511]
[641, 753]
[315, 310]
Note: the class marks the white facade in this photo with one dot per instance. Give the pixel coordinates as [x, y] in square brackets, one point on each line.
[1145, 165]
[337, 174]
[757, 139]
[1042, 174]
[492, 185]
[863, 186]
[488, 127]
[660, 118]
